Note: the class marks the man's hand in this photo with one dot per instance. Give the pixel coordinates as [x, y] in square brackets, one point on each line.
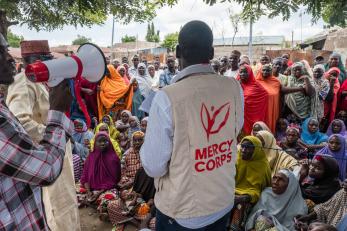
[60, 97]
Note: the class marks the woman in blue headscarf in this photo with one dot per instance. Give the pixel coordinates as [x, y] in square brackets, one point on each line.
[311, 136]
[336, 148]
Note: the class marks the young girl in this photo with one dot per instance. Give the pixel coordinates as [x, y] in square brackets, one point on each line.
[134, 124]
[131, 161]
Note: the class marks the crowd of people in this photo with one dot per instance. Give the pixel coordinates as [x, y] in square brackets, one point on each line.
[290, 165]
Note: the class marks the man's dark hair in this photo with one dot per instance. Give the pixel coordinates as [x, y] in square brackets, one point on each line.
[236, 53]
[195, 42]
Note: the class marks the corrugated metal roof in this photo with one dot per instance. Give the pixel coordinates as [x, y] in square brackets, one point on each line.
[243, 41]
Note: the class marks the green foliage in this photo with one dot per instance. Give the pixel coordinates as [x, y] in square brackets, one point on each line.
[170, 41]
[128, 39]
[151, 35]
[334, 12]
[81, 40]
[13, 39]
[54, 14]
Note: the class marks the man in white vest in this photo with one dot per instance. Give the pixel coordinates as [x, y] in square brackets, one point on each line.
[190, 144]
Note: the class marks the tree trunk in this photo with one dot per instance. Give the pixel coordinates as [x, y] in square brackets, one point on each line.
[3, 23]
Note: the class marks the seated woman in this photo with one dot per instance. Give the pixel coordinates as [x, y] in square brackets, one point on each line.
[102, 127]
[80, 146]
[253, 174]
[102, 169]
[281, 128]
[337, 127]
[114, 93]
[312, 138]
[114, 133]
[330, 212]
[134, 126]
[134, 205]
[322, 179]
[143, 124]
[292, 144]
[131, 161]
[122, 125]
[137, 101]
[259, 126]
[278, 159]
[278, 204]
[336, 148]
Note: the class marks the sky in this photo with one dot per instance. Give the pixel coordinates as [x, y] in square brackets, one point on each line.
[170, 19]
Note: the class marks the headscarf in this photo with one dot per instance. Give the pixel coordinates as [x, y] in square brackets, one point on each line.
[91, 100]
[113, 88]
[115, 144]
[114, 133]
[307, 68]
[342, 76]
[255, 101]
[102, 170]
[280, 134]
[321, 190]
[134, 129]
[322, 88]
[343, 128]
[125, 77]
[144, 81]
[137, 102]
[281, 208]
[330, 107]
[342, 101]
[340, 155]
[273, 87]
[278, 159]
[120, 122]
[312, 138]
[333, 211]
[84, 134]
[299, 103]
[252, 176]
[262, 125]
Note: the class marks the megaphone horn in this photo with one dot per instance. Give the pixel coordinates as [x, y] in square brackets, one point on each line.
[89, 58]
[89, 62]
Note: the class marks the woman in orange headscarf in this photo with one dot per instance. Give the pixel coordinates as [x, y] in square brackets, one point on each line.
[272, 86]
[114, 93]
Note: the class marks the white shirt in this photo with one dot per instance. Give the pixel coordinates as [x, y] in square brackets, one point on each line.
[157, 148]
[231, 74]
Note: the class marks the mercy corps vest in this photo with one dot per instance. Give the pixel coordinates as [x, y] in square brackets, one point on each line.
[206, 111]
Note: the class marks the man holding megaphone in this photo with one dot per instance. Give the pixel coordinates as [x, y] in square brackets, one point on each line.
[29, 102]
[26, 166]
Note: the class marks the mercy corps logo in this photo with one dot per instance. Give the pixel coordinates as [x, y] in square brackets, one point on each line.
[215, 155]
[213, 123]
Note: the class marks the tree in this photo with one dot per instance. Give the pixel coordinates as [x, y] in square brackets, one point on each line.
[235, 20]
[151, 35]
[128, 39]
[54, 14]
[13, 39]
[81, 40]
[334, 12]
[170, 41]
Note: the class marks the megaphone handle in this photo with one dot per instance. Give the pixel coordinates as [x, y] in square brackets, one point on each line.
[78, 79]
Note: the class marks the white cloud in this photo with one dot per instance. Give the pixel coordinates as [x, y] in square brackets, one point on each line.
[170, 19]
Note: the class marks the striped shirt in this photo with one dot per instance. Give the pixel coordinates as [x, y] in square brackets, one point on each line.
[25, 166]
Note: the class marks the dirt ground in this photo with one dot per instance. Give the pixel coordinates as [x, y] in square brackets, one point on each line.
[91, 222]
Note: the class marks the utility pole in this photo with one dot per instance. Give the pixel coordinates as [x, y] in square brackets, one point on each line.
[301, 24]
[112, 55]
[250, 39]
[292, 39]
